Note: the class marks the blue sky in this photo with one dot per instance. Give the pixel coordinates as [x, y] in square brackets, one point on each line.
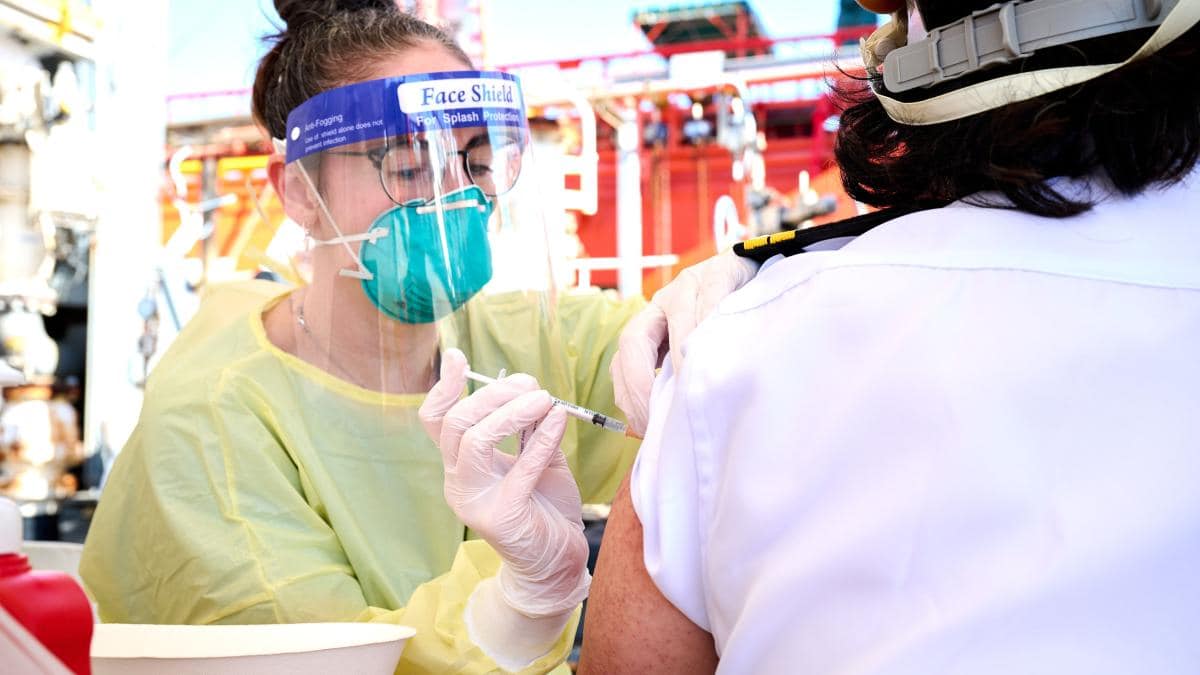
[215, 44]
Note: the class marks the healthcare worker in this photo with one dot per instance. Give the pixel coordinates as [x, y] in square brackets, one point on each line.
[280, 471]
[964, 441]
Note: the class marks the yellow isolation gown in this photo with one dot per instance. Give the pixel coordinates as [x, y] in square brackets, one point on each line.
[257, 488]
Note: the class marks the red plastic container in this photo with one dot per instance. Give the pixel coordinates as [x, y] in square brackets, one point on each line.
[50, 605]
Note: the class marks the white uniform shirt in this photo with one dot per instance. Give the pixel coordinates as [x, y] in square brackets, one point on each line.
[967, 442]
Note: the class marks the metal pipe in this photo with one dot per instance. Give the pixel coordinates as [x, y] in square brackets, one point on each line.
[629, 203]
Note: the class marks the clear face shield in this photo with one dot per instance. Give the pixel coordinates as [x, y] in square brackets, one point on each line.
[403, 185]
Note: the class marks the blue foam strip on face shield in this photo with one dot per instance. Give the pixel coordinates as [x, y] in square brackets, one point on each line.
[397, 106]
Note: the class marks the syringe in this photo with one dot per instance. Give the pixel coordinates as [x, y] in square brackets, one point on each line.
[578, 411]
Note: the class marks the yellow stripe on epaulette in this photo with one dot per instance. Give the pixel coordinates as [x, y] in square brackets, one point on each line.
[756, 242]
[768, 239]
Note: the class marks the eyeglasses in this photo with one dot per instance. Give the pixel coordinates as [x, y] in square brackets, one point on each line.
[410, 171]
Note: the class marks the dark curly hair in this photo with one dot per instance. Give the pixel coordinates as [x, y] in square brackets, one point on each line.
[1139, 124]
[328, 43]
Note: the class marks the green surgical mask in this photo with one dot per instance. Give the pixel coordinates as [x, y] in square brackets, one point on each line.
[428, 265]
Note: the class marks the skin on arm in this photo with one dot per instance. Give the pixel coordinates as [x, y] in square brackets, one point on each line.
[631, 627]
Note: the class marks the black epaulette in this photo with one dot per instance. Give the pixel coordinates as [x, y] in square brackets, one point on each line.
[791, 242]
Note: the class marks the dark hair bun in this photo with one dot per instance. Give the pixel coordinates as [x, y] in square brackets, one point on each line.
[297, 13]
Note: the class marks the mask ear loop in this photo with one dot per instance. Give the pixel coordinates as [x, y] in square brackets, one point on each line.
[362, 272]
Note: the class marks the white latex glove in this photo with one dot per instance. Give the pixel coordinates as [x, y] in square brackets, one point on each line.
[528, 507]
[664, 325]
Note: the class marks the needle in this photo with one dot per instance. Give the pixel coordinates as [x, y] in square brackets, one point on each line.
[578, 411]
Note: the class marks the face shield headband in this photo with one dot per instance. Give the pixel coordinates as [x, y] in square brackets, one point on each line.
[428, 254]
[910, 59]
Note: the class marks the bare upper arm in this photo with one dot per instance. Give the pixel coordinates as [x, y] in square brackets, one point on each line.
[630, 626]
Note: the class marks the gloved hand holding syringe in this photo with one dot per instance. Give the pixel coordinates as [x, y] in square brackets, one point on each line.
[526, 506]
[578, 411]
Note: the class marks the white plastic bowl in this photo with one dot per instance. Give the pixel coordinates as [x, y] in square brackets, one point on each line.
[296, 649]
